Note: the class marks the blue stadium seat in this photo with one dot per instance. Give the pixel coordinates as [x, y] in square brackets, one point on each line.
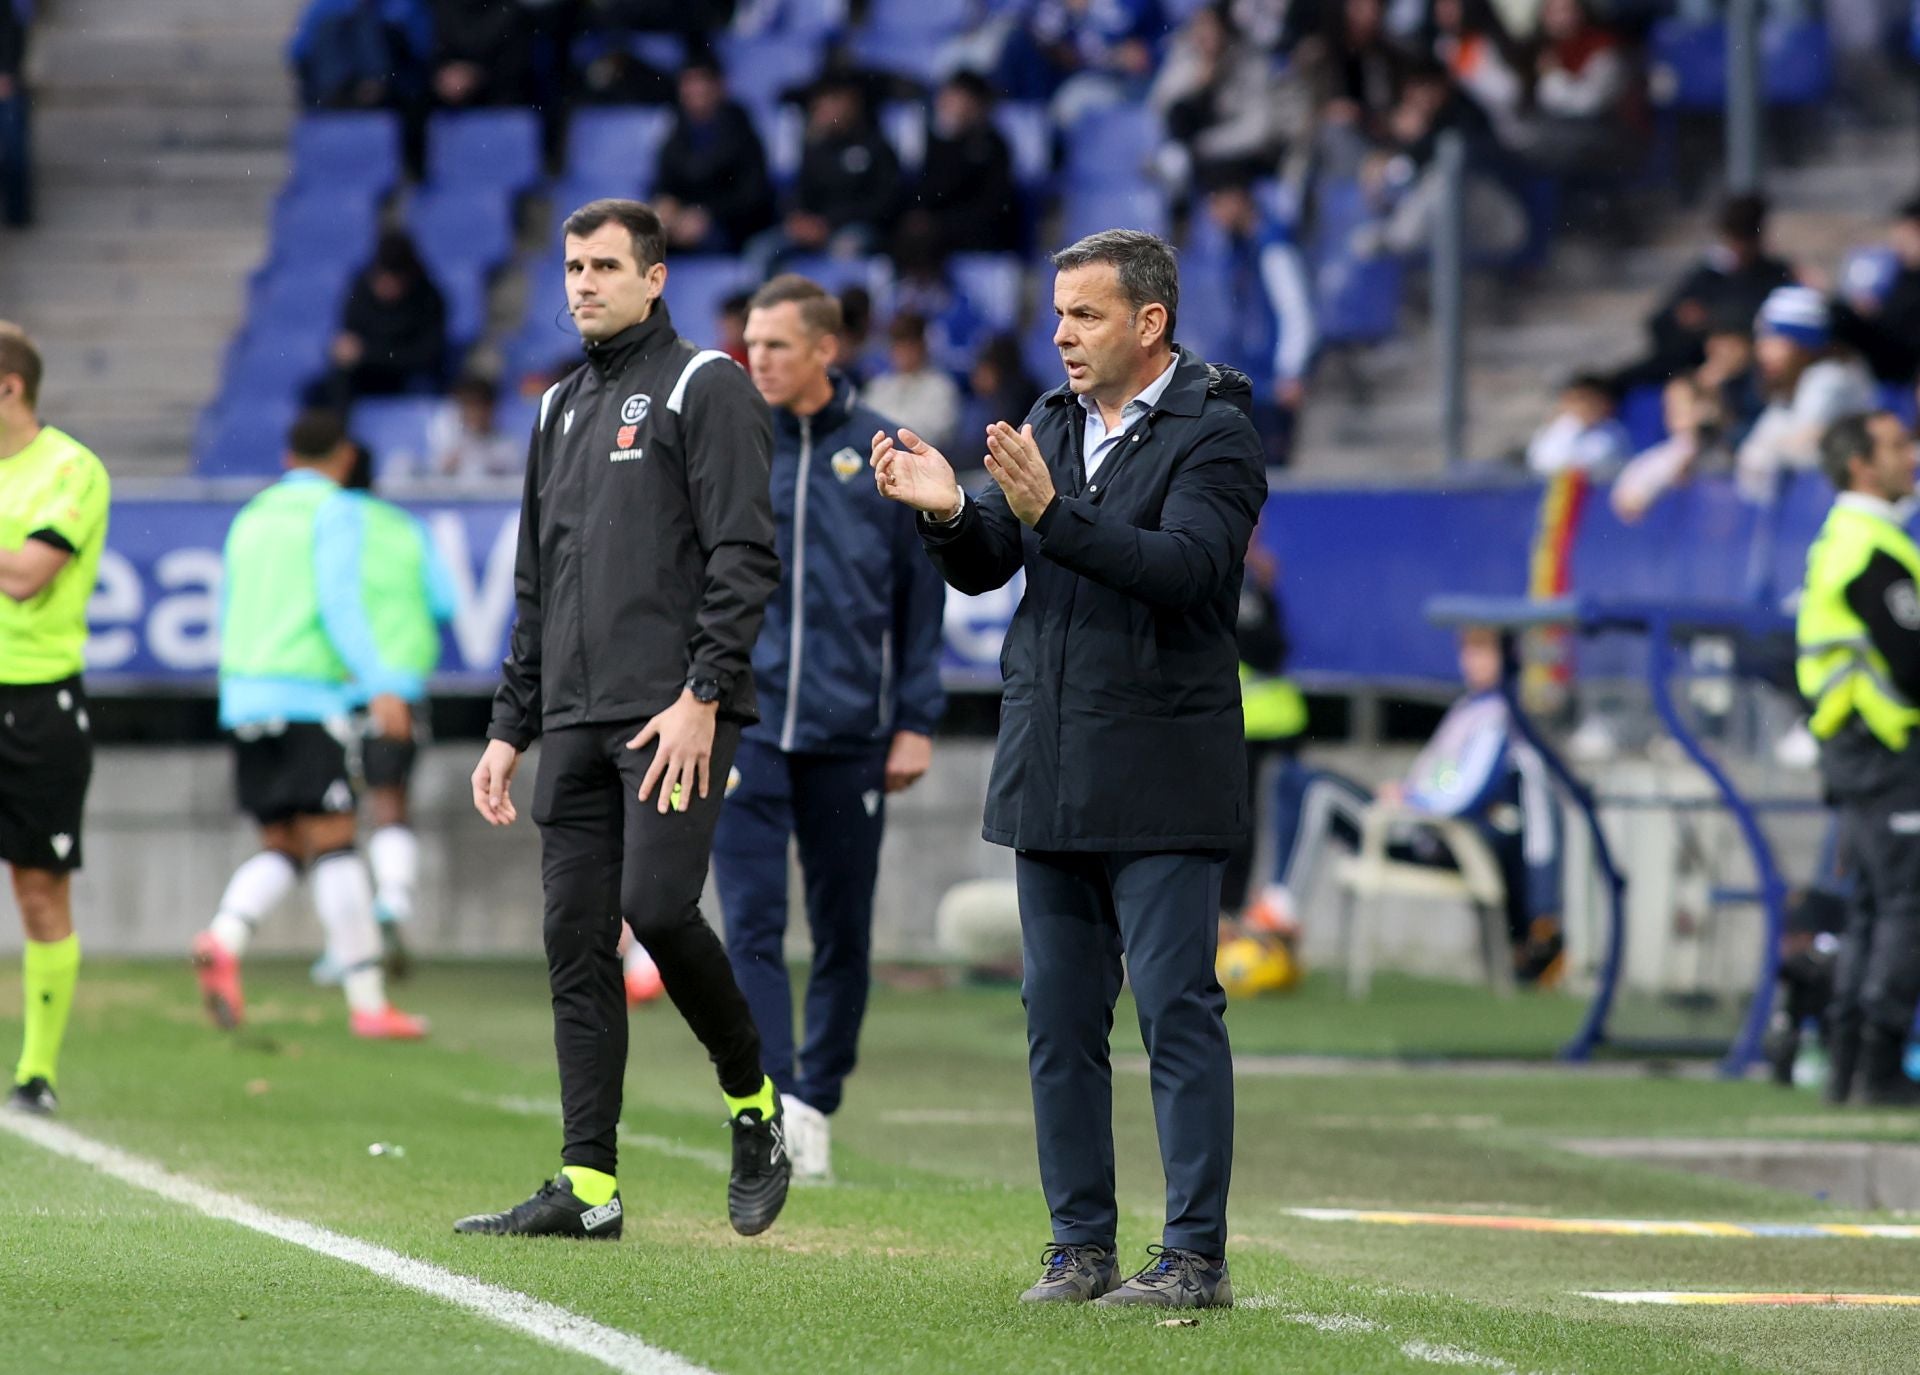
[515, 414]
[290, 297]
[1111, 144]
[760, 68]
[904, 122]
[570, 193]
[244, 438]
[947, 16]
[394, 429]
[1029, 135]
[462, 229]
[464, 290]
[275, 363]
[1119, 206]
[1643, 413]
[1037, 348]
[617, 142]
[312, 227]
[484, 148]
[913, 53]
[695, 288]
[1358, 300]
[338, 151]
[1690, 63]
[810, 19]
[994, 283]
[782, 130]
[837, 274]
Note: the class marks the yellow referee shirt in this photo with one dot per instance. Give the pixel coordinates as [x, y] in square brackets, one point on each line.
[55, 485]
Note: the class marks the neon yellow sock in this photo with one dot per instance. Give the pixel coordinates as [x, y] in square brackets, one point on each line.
[591, 1187]
[766, 1100]
[49, 970]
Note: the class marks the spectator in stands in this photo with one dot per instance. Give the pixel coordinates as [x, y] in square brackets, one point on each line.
[1357, 72]
[1270, 332]
[1485, 59]
[1584, 434]
[1084, 54]
[464, 442]
[1885, 327]
[712, 191]
[1809, 386]
[914, 392]
[849, 183]
[1730, 373]
[481, 53]
[998, 388]
[730, 326]
[1583, 83]
[1733, 278]
[692, 17]
[1406, 188]
[1695, 443]
[857, 345]
[966, 200]
[360, 54]
[1219, 100]
[393, 335]
[16, 168]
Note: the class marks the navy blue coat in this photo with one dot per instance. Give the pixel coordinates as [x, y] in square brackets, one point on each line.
[1120, 723]
[850, 650]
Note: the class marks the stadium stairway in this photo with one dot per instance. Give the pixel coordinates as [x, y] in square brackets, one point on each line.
[169, 118]
[1375, 415]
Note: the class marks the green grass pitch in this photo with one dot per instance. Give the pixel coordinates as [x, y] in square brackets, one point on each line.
[911, 1259]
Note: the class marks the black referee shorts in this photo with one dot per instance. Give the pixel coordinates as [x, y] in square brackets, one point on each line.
[46, 761]
[298, 768]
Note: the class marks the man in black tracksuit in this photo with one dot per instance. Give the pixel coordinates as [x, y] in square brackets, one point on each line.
[1120, 775]
[646, 560]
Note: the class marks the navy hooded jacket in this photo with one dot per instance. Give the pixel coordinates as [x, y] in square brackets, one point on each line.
[849, 653]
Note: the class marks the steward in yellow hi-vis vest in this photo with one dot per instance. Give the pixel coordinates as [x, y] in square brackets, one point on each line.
[1859, 669]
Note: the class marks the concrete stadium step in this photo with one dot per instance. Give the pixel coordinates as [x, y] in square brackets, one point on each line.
[166, 118]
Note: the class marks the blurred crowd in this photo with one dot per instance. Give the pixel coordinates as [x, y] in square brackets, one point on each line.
[16, 167]
[1749, 359]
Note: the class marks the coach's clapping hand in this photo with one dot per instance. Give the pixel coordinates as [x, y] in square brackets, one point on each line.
[914, 473]
[1015, 462]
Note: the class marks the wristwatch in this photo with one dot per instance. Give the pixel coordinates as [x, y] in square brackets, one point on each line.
[704, 689]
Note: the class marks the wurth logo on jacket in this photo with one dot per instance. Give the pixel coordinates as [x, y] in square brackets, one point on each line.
[646, 538]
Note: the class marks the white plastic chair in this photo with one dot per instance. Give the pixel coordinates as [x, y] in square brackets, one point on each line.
[1372, 873]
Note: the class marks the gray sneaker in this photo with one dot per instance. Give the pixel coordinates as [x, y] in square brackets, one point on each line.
[1175, 1279]
[1073, 1274]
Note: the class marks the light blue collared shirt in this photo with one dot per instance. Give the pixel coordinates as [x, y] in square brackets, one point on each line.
[1098, 441]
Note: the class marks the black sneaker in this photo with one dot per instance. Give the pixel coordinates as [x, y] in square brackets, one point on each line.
[761, 1171]
[1176, 1279]
[1073, 1274]
[34, 1096]
[553, 1212]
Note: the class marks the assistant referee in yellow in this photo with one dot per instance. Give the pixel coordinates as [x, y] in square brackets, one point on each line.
[53, 525]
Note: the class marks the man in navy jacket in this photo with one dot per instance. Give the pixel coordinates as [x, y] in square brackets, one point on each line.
[848, 670]
[1120, 776]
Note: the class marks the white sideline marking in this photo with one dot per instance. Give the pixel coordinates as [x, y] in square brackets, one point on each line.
[536, 1318]
[1349, 1324]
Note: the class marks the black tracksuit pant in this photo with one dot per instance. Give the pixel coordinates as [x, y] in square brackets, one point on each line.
[606, 856]
[1877, 976]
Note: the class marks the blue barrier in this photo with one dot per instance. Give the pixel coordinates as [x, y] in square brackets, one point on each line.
[1357, 566]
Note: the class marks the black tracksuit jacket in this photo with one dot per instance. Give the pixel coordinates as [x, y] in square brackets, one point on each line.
[646, 538]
